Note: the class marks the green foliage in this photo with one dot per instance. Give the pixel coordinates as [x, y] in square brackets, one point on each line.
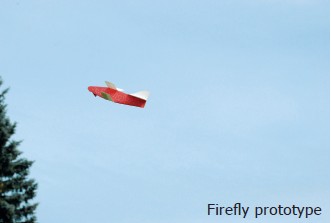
[16, 190]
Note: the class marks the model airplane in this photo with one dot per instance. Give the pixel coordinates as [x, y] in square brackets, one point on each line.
[114, 94]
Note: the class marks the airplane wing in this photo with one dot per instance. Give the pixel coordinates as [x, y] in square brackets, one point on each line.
[141, 94]
[111, 85]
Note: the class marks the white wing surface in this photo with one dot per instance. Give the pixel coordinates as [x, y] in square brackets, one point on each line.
[141, 94]
[111, 85]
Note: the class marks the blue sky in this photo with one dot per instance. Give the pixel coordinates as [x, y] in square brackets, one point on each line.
[239, 106]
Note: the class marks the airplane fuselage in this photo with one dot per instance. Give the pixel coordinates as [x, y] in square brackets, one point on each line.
[117, 96]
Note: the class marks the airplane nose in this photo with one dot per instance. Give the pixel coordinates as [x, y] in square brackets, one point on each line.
[92, 90]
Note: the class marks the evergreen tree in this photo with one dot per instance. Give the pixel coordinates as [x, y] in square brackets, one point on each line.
[16, 190]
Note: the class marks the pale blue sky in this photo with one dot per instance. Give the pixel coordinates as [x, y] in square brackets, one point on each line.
[239, 106]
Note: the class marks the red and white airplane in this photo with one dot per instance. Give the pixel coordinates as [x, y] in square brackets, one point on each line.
[114, 94]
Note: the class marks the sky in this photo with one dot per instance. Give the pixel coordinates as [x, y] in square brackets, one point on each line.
[238, 111]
